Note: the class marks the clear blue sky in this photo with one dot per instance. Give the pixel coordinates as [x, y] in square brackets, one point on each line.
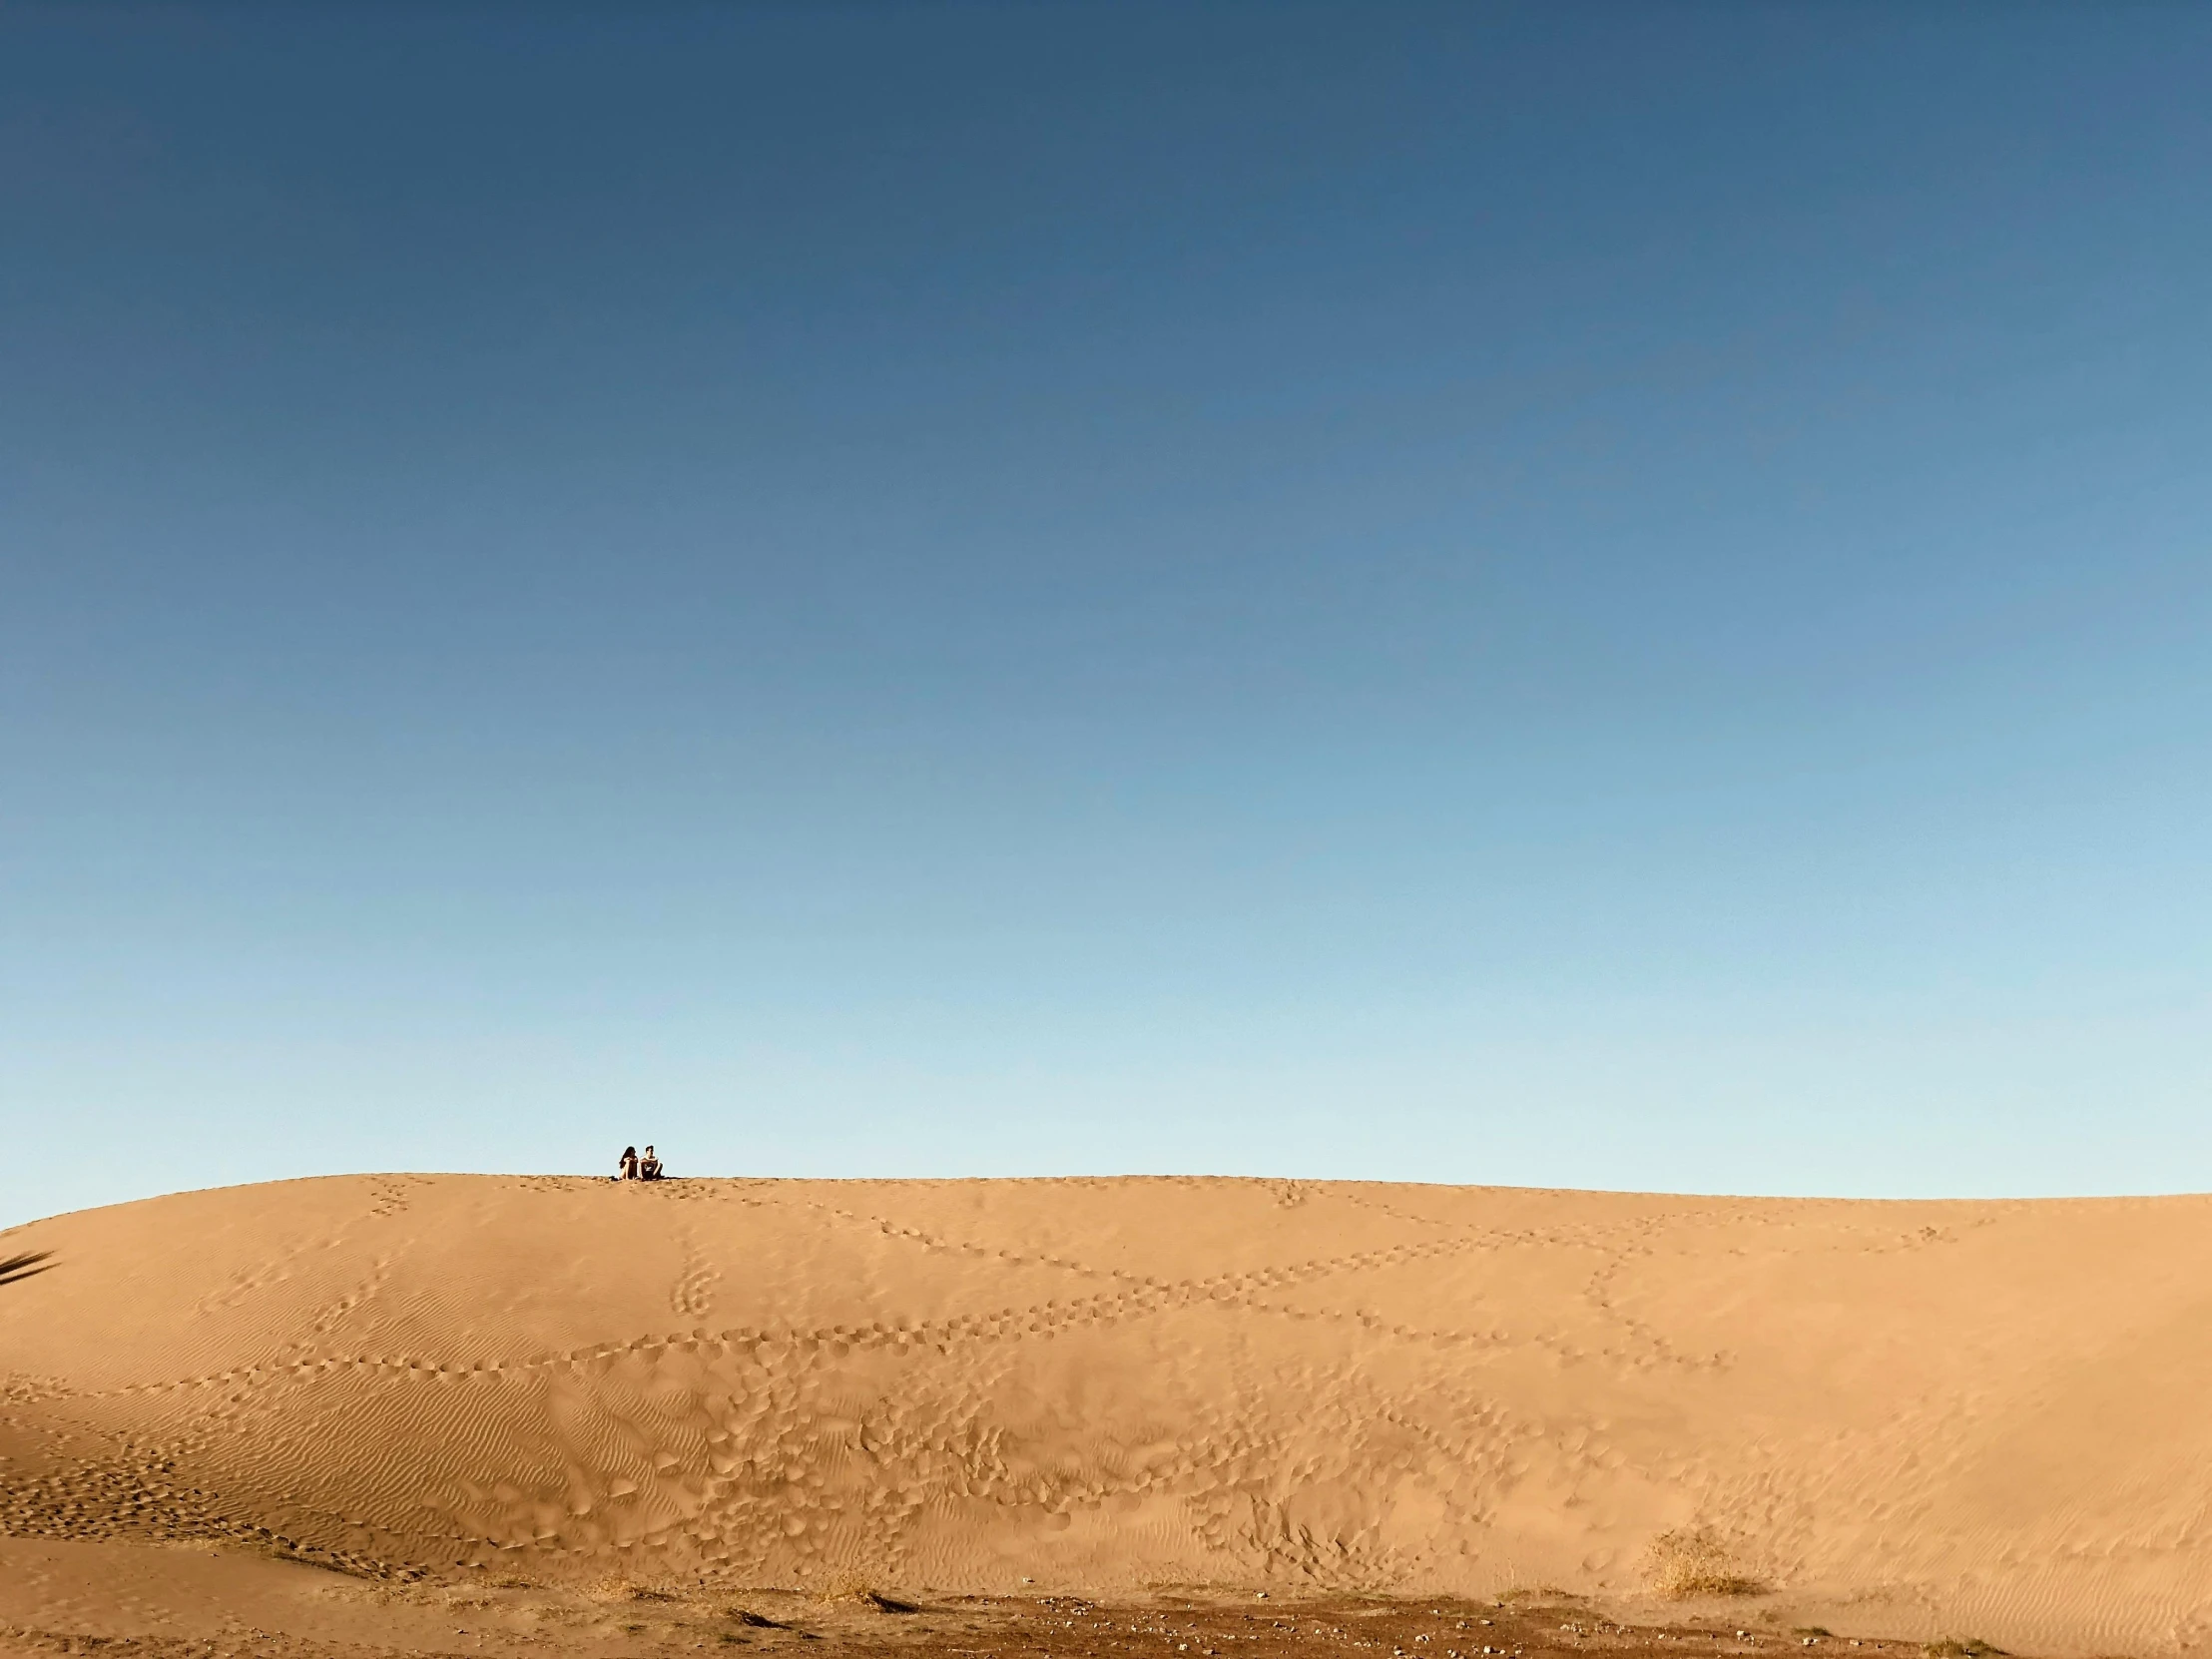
[1561, 595]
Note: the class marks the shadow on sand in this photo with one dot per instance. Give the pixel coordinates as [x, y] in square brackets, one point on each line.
[13, 1267]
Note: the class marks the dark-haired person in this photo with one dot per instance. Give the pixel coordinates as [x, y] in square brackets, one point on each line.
[649, 1167]
[630, 1163]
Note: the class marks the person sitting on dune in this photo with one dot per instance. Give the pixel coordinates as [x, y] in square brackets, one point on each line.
[649, 1167]
[630, 1163]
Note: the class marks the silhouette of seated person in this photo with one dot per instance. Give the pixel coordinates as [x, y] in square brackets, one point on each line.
[649, 1167]
[630, 1163]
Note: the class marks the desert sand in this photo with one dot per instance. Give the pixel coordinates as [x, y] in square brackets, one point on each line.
[1895, 1419]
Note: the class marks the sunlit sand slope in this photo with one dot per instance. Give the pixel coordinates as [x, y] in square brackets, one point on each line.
[1992, 1418]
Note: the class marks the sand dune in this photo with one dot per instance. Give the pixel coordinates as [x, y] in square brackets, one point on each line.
[1904, 1417]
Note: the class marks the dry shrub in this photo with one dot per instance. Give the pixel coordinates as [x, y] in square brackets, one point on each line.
[328, 1560]
[1686, 1563]
[1963, 1647]
[850, 1590]
[618, 1589]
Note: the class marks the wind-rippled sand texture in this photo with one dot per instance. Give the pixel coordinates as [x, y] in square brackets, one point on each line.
[1901, 1418]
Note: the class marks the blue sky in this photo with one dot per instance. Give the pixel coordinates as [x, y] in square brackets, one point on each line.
[1563, 595]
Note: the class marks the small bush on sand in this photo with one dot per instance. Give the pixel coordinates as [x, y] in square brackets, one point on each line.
[1963, 1647]
[627, 1589]
[328, 1560]
[1686, 1563]
[850, 1590]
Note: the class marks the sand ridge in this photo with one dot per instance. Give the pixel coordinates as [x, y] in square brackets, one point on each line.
[1897, 1417]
